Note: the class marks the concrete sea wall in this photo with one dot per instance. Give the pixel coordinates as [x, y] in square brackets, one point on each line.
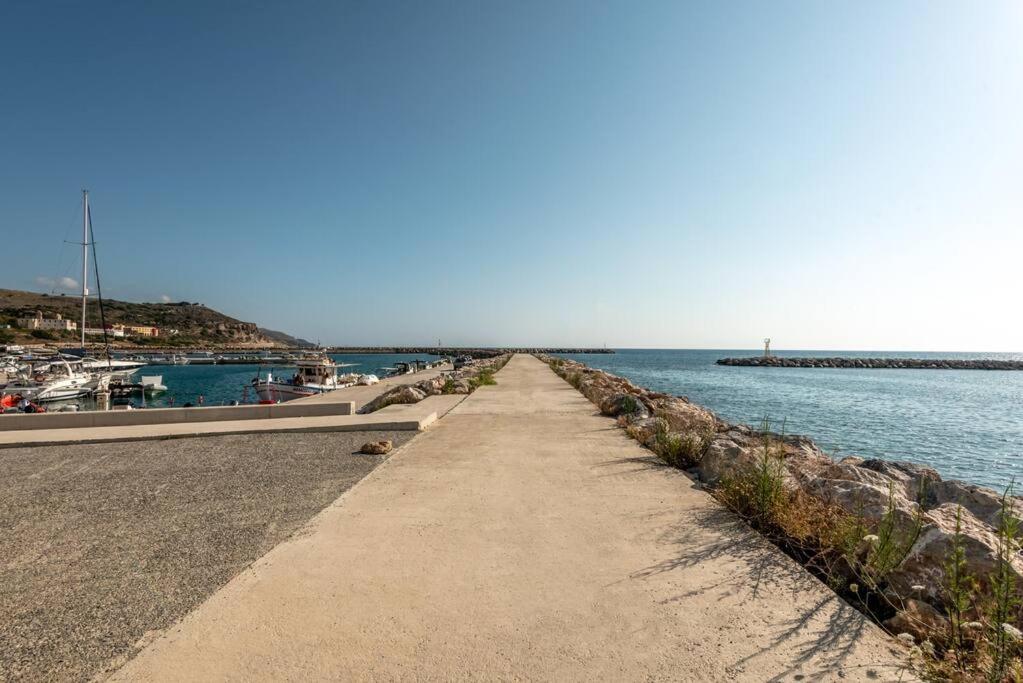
[121, 418]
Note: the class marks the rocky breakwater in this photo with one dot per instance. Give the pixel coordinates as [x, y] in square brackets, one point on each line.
[873, 363]
[884, 534]
[465, 380]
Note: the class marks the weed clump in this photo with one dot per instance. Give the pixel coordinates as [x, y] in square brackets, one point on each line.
[484, 378]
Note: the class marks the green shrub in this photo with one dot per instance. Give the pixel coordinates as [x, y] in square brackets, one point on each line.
[681, 449]
[483, 378]
[1002, 647]
[630, 405]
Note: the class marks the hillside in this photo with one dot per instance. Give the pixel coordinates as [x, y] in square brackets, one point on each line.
[286, 339]
[181, 324]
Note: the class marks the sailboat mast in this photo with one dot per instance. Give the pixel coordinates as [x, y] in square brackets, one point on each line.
[85, 258]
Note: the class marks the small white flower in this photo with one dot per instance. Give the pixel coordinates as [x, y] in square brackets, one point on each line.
[917, 588]
[907, 638]
[915, 651]
[871, 538]
[972, 626]
[1014, 634]
[928, 647]
[855, 588]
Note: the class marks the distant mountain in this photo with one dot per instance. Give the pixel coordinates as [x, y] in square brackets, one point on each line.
[181, 324]
[285, 338]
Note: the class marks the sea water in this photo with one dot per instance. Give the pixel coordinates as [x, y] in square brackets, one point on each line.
[966, 424]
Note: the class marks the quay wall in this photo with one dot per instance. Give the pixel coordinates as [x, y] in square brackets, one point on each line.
[122, 418]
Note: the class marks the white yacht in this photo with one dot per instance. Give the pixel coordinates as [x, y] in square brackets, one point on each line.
[57, 381]
[122, 369]
[313, 376]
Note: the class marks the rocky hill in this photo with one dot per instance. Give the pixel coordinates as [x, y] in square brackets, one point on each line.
[181, 324]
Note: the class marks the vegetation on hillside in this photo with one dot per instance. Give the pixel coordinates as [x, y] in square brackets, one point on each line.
[181, 324]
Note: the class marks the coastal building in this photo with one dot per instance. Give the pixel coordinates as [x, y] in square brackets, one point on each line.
[40, 323]
[142, 330]
[112, 331]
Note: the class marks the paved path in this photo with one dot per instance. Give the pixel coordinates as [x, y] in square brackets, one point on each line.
[522, 537]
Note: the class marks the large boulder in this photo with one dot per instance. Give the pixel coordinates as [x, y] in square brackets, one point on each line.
[377, 447]
[432, 386]
[724, 457]
[683, 416]
[624, 404]
[924, 565]
[402, 394]
[646, 430]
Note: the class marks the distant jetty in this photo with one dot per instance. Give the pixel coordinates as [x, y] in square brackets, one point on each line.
[873, 363]
[458, 351]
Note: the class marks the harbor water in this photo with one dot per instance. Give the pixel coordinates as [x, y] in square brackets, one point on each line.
[966, 424]
[225, 384]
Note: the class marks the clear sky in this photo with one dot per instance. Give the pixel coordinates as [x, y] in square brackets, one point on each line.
[637, 174]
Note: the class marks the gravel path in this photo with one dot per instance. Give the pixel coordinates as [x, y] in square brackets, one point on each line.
[103, 544]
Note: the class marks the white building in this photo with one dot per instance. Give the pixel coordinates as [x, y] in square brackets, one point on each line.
[111, 331]
[41, 323]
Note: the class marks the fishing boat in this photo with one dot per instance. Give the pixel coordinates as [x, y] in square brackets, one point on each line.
[312, 376]
[398, 369]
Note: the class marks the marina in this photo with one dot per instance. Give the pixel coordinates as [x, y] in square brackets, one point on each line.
[165, 383]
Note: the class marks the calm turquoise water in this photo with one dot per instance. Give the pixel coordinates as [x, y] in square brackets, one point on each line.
[221, 384]
[967, 424]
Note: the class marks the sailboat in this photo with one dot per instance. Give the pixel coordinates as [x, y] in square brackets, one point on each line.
[101, 370]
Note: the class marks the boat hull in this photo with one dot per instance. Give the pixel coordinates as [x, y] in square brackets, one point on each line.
[281, 391]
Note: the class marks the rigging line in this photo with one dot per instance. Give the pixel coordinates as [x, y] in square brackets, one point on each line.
[99, 290]
[64, 271]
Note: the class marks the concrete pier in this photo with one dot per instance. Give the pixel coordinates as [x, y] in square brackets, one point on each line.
[522, 537]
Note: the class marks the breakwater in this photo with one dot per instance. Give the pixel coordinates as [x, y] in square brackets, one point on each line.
[873, 363]
[836, 516]
[460, 350]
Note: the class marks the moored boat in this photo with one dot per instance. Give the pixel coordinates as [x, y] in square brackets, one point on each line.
[56, 381]
[313, 376]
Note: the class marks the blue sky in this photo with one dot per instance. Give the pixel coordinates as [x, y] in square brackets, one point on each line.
[655, 174]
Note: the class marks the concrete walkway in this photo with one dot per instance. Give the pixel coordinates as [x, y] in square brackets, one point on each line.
[523, 537]
[413, 417]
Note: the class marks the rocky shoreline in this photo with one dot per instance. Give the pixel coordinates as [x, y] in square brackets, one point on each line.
[465, 380]
[929, 516]
[873, 363]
